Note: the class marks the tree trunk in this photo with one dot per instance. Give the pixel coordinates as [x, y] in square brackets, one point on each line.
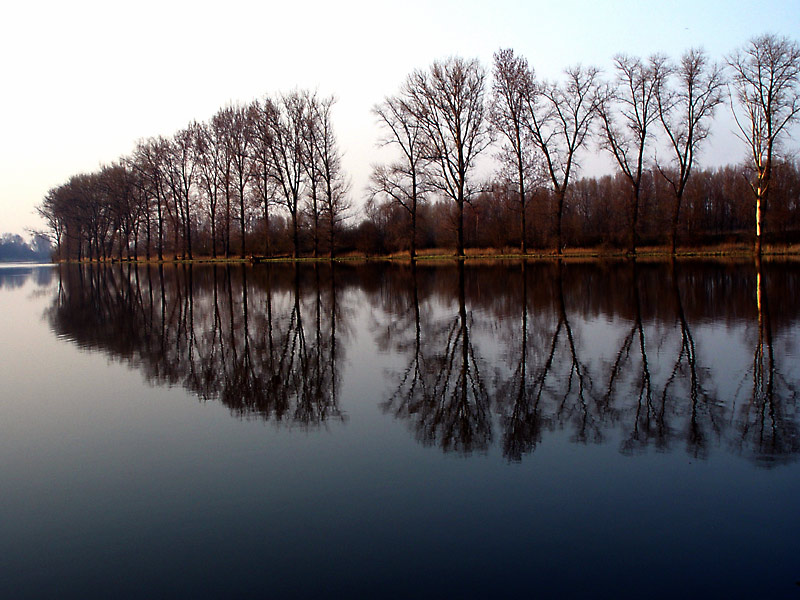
[241, 217]
[560, 214]
[460, 240]
[634, 220]
[413, 251]
[296, 236]
[759, 214]
[523, 232]
[675, 217]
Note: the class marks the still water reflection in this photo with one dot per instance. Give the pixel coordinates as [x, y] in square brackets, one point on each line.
[481, 430]
[694, 356]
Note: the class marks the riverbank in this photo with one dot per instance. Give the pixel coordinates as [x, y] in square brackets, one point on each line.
[739, 251]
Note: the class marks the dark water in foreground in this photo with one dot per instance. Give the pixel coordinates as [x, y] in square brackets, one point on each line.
[577, 430]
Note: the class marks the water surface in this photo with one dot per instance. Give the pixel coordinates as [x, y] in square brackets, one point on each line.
[579, 429]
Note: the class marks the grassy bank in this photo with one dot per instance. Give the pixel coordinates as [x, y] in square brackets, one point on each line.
[434, 254]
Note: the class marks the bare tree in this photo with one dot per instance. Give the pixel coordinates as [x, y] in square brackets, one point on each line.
[51, 212]
[685, 111]
[148, 161]
[766, 83]
[312, 165]
[627, 110]
[210, 154]
[221, 123]
[448, 101]
[263, 167]
[241, 139]
[181, 171]
[559, 120]
[402, 181]
[334, 181]
[117, 185]
[512, 89]
[286, 122]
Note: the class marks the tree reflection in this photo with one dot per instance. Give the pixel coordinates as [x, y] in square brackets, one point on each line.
[642, 355]
[441, 391]
[767, 422]
[553, 391]
[261, 341]
[556, 328]
[16, 276]
[688, 375]
[648, 422]
[524, 421]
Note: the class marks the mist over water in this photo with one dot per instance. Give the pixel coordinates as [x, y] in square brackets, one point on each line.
[295, 430]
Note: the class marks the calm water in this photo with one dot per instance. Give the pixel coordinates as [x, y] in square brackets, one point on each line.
[576, 430]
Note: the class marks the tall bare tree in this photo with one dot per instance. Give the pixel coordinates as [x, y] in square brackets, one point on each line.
[766, 84]
[512, 89]
[210, 158]
[312, 166]
[221, 123]
[241, 138]
[181, 171]
[627, 110]
[403, 181]
[286, 123]
[448, 100]
[263, 167]
[685, 109]
[148, 160]
[51, 210]
[334, 181]
[560, 117]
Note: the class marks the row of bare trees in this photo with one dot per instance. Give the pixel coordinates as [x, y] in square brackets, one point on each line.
[716, 210]
[219, 182]
[440, 121]
[267, 177]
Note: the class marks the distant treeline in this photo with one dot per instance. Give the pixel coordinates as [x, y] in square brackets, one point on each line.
[266, 178]
[13, 248]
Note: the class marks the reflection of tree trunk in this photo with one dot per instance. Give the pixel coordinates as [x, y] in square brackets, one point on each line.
[334, 308]
[762, 388]
[292, 367]
[444, 395]
[769, 433]
[190, 297]
[163, 332]
[523, 363]
[577, 372]
[696, 437]
[248, 362]
[217, 327]
[232, 326]
[151, 306]
[318, 331]
[270, 336]
[645, 389]
[460, 418]
[462, 312]
[183, 308]
[405, 397]
[644, 413]
[524, 425]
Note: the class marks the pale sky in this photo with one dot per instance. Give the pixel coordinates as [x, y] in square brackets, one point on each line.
[83, 80]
